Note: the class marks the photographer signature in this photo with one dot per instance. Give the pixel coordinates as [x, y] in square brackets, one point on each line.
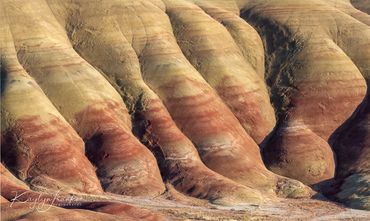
[43, 203]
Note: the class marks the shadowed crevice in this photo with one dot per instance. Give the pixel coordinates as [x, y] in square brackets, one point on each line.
[4, 75]
[281, 50]
[363, 5]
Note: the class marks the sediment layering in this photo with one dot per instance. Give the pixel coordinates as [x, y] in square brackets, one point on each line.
[324, 108]
[124, 96]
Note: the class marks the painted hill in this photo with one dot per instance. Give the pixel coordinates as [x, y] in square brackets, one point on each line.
[231, 102]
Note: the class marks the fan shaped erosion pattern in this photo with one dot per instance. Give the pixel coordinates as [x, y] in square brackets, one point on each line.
[227, 101]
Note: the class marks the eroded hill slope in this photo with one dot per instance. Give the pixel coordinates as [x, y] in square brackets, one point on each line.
[124, 96]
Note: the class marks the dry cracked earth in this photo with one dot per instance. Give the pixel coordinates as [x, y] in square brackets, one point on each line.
[185, 109]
